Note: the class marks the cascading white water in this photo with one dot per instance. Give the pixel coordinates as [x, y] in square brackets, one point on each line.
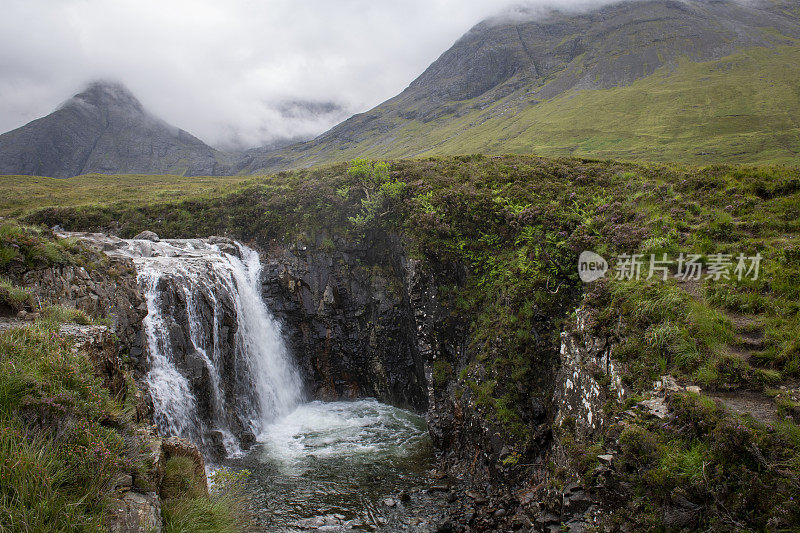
[219, 374]
[249, 382]
[173, 400]
[259, 341]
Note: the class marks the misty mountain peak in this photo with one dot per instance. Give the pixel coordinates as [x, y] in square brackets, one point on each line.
[108, 94]
[105, 129]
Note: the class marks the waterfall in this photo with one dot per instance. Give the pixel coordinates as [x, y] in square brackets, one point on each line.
[219, 371]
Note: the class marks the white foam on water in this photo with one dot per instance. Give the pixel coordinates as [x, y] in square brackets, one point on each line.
[356, 430]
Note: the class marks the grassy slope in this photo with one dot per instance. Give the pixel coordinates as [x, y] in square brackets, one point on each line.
[64, 438]
[739, 109]
[24, 193]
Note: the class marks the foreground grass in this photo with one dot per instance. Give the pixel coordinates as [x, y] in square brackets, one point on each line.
[63, 439]
[729, 473]
[64, 442]
[189, 510]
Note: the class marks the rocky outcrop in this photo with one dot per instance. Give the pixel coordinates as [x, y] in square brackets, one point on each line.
[137, 507]
[347, 316]
[135, 512]
[101, 345]
[587, 379]
[147, 236]
[107, 289]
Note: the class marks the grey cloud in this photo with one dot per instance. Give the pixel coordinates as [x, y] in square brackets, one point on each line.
[236, 73]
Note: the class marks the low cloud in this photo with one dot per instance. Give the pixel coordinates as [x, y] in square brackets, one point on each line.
[236, 73]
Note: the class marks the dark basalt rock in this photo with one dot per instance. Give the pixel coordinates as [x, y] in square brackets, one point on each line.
[350, 327]
[104, 290]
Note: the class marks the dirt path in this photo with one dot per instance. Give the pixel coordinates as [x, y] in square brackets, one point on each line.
[748, 342]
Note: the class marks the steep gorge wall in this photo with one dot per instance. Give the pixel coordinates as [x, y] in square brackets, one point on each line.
[371, 321]
[368, 320]
[348, 315]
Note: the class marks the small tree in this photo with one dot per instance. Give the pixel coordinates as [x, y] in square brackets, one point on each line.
[380, 191]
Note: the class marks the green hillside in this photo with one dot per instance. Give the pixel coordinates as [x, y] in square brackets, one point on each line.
[744, 108]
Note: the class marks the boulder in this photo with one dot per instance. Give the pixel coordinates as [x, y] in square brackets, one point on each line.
[135, 513]
[216, 443]
[178, 447]
[147, 236]
[226, 245]
[606, 459]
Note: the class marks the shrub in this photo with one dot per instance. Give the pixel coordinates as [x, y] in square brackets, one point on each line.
[380, 192]
[223, 510]
[13, 298]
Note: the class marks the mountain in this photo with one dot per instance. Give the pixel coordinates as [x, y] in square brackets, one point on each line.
[105, 129]
[694, 81]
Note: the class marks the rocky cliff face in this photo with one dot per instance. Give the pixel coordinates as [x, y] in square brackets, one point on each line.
[586, 380]
[348, 316]
[369, 322]
[105, 289]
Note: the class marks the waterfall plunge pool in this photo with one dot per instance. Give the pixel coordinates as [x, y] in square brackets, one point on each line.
[335, 466]
[216, 361]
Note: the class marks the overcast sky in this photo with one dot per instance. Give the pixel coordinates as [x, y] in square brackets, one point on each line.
[228, 70]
